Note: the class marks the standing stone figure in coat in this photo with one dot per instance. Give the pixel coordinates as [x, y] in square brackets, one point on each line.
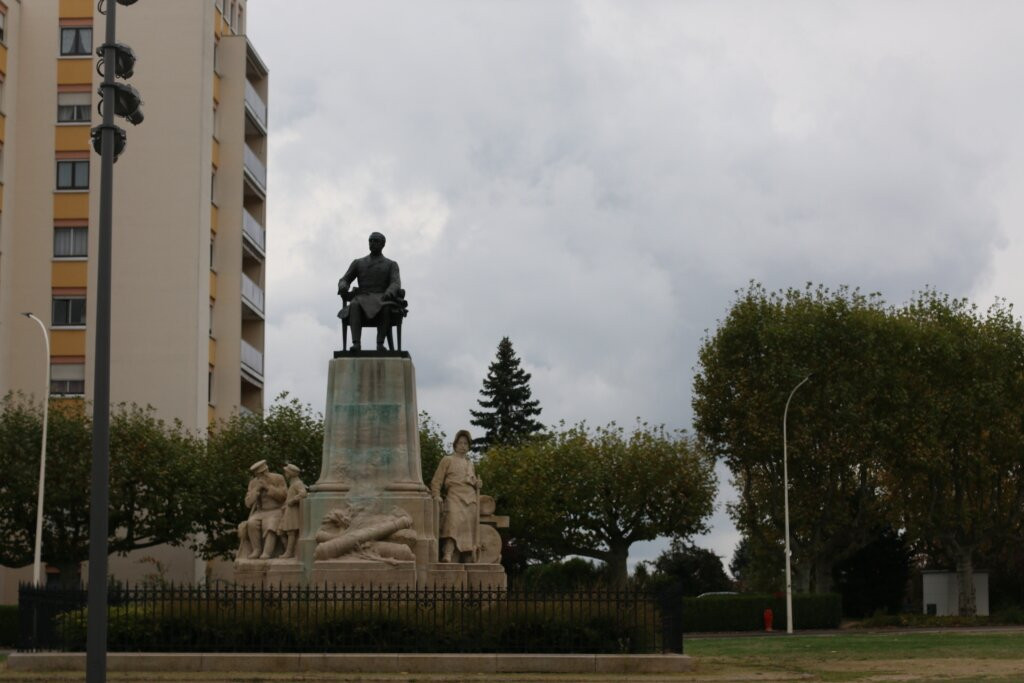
[264, 498]
[457, 487]
[291, 521]
[378, 293]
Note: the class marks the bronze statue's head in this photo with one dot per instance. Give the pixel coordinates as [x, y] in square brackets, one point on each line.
[377, 241]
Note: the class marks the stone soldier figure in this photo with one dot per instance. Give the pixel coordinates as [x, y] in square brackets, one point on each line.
[376, 298]
[456, 479]
[264, 498]
[290, 520]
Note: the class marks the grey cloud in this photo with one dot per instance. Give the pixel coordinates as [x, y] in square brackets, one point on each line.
[595, 179]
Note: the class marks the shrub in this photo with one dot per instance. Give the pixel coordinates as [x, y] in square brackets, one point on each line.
[519, 625]
[9, 628]
[745, 612]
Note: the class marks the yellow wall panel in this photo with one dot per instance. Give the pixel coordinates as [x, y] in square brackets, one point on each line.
[216, 88]
[213, 285]
[69, 205]
[1, 197]
[213, 351]
[76, 9]
[3, 59]
[3, 128]
[210, 415]
[213, 218]
[74, 71]
[70, 274]
[72, 139]
[67, 342]
[216, 153]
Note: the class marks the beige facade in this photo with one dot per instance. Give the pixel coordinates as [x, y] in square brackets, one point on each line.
[189, 207]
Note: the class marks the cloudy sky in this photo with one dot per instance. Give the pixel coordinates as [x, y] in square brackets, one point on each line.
[595, 179]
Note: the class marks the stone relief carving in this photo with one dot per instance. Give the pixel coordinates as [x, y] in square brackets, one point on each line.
[349, 532]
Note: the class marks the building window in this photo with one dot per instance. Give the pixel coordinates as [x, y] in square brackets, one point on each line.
[70, 242]
[67, 379]
[73, 175]
[74, 107]
[68, 311]
[76, 41]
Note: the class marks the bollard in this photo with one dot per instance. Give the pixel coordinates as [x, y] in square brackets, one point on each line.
[768, 617]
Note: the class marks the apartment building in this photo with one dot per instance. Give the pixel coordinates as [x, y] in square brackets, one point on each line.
[189, 251]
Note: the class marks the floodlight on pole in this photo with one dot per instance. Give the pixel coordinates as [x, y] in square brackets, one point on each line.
[785, 497]
[37, 558]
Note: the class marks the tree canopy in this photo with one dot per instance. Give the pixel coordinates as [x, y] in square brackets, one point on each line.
[910, 421]
[595, 492]
[153, 496]
[507, 406]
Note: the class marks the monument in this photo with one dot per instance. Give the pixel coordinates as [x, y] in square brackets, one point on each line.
[370, 518]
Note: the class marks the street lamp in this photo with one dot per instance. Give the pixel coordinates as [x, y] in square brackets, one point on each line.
[785, 497]
[37, 566]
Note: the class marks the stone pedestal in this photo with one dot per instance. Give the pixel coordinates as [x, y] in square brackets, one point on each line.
[371, 453]
[285, 573]
[445, 575]
[251, 572]
[363, 573]
[487, 576]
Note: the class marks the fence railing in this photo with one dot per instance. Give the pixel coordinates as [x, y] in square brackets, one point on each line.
[233, 618]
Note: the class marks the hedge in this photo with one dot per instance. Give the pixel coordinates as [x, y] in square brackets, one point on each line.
[9, 628]
[534, 627]
[745, 612]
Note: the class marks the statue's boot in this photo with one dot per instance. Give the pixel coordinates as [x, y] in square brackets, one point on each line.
[448, 548]
[255, 540]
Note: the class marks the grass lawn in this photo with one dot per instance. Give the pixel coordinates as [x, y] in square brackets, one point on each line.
[844, 656]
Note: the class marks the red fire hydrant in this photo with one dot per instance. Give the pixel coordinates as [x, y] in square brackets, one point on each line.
[768, 617]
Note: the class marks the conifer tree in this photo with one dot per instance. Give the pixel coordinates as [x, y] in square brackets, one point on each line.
[507, 409]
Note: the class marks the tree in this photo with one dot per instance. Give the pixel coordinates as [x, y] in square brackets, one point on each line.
[433, 446]
[840, 423]
[153, 482]
[507, 408]
[697, 570]
[289, 432]
[957, 476]
[594, 493]
[875, 577]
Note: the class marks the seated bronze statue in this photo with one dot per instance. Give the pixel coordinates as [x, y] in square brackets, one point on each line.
[379, 300]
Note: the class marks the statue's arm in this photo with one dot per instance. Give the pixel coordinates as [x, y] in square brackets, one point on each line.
[395, 282]
[346, 280]
[278, 491]
[438, 480]
[252, 493]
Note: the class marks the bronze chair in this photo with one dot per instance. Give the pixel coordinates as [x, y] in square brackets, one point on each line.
[399, 309]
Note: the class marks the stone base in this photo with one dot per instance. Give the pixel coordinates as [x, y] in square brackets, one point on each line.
[251, 572]
[445, 575]
[487, 576]
[363, 573]
[285, 573]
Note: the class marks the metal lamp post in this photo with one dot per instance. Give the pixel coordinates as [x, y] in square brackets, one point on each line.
[37, 566]
[785, 497]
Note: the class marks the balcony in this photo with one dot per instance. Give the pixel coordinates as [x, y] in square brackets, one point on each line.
[255, 235]
[255, 171]
[252, 297]
[256, 108]
[252, 362]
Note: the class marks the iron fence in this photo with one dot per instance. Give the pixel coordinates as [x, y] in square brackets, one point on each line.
[234, 618]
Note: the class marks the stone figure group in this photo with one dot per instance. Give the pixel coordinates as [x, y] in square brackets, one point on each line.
[273, 502]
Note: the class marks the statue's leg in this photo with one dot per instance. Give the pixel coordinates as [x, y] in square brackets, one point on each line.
[355, 321]
[289, 551]
[255, 538]
[384, 328]
[269, 545]
[447, 548]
